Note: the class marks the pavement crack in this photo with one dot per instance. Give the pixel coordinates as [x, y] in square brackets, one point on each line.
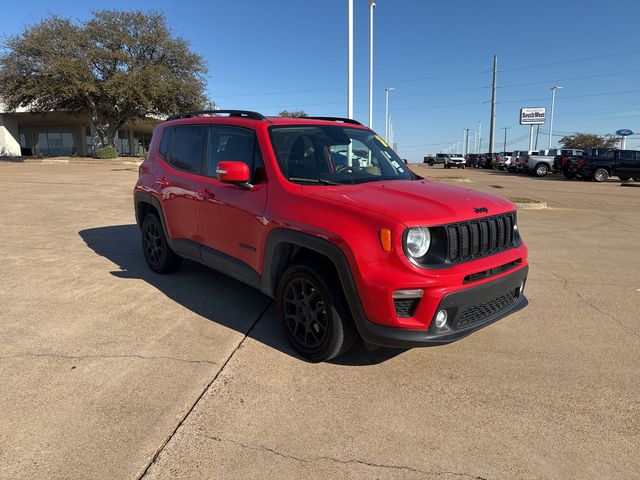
[565, 286]
[336, 460]
[89, 357]
[159, 450]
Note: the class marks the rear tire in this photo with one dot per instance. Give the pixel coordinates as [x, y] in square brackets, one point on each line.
[313, 313]
[600, 175]
[430, 162]
[157, 252]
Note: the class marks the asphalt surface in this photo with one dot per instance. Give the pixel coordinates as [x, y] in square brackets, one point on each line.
[108, 371]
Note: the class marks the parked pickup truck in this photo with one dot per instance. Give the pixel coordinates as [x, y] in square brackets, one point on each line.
[505, 160]
[564, 158]
[538, 163]
[517, 160]
[601, 163]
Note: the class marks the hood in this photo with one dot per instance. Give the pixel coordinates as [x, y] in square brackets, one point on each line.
[419, 202]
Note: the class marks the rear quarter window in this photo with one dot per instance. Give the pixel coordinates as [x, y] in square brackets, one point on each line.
[164, 143]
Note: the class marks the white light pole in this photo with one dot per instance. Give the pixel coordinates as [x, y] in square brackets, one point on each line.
[386, 112]
[350, 63]
[479, 135]
[553, 104]
[372, 6]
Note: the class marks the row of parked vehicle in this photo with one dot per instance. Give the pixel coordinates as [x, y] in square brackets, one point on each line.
[598, 164]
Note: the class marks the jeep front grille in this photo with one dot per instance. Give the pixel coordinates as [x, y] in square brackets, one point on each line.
[479, 238]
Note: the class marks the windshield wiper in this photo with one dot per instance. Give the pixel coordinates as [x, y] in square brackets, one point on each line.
[324, 181]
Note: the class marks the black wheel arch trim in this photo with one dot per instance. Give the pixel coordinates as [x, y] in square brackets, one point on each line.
[274, 259]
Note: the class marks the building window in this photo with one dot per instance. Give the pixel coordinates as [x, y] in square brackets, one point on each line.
[57, 140]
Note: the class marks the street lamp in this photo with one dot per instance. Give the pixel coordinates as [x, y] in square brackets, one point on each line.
[386, 113]
[553, 103]
[372, 6]
[350, 61]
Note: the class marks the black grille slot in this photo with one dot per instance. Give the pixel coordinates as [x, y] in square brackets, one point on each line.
[453, 243]
[475, 239]
[484, 233]
[464, 240]
[500, 221]
[477, 313]
[480, 238]
[493, 234]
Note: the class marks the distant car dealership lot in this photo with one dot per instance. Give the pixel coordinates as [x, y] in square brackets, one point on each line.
[109, 371]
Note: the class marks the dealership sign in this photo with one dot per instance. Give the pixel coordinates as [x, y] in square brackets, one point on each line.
[532, 116]
[625, 132]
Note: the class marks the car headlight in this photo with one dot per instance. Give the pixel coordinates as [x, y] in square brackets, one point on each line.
[418, 241]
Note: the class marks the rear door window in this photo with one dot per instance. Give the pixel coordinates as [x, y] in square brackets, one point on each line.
[187, 146]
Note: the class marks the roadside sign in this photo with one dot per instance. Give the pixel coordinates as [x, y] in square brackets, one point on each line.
[624, 132]
[532, 116]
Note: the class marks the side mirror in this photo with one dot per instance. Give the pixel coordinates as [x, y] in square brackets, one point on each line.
[233, 172]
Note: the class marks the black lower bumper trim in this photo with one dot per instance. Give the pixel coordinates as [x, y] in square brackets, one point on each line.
[456, 302]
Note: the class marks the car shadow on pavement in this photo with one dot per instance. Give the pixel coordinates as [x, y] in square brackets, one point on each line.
[210, 294]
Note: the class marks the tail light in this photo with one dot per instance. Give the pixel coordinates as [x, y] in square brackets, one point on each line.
[526, 159]
[581, 162]
[565, 160]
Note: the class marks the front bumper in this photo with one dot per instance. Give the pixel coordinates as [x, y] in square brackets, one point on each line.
[468, 310]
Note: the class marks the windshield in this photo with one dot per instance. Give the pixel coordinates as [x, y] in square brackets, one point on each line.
[332, 154]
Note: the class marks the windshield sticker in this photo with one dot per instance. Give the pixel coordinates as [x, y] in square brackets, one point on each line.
[382, 141]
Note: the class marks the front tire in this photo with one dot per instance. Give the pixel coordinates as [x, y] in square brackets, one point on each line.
[600, 175]
[156, 249]
[314, 314]
[541, 170]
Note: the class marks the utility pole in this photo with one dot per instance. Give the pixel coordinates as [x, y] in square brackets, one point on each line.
[493, 104]
[479, 136]
[504, 147]
[350, 62]
[372, 6]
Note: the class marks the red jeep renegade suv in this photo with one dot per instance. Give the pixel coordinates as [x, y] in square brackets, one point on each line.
[322, 215]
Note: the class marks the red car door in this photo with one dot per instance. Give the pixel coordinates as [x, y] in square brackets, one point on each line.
[230, 217]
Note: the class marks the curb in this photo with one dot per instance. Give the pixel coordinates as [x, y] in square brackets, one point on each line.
[72, 161]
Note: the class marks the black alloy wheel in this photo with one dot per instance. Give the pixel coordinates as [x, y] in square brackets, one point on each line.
[152, 244]
[313, 313]
[305, 313]
[156, 249]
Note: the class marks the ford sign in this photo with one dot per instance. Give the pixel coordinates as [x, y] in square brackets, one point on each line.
[624, 132]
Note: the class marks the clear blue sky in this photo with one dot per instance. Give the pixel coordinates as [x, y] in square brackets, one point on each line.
[291, 54]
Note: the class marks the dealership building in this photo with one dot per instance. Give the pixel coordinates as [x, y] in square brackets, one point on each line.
[51, 134]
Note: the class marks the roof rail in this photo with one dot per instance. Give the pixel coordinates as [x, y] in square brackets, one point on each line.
[337, 119]
[213, 113]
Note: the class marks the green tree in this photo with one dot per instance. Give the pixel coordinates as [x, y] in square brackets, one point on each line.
[118, 66]
[583, 141]
[293, 114]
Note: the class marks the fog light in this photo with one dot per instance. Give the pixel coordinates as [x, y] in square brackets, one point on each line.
[441, 318]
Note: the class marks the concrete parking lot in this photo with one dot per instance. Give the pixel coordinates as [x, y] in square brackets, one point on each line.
[108, 371]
